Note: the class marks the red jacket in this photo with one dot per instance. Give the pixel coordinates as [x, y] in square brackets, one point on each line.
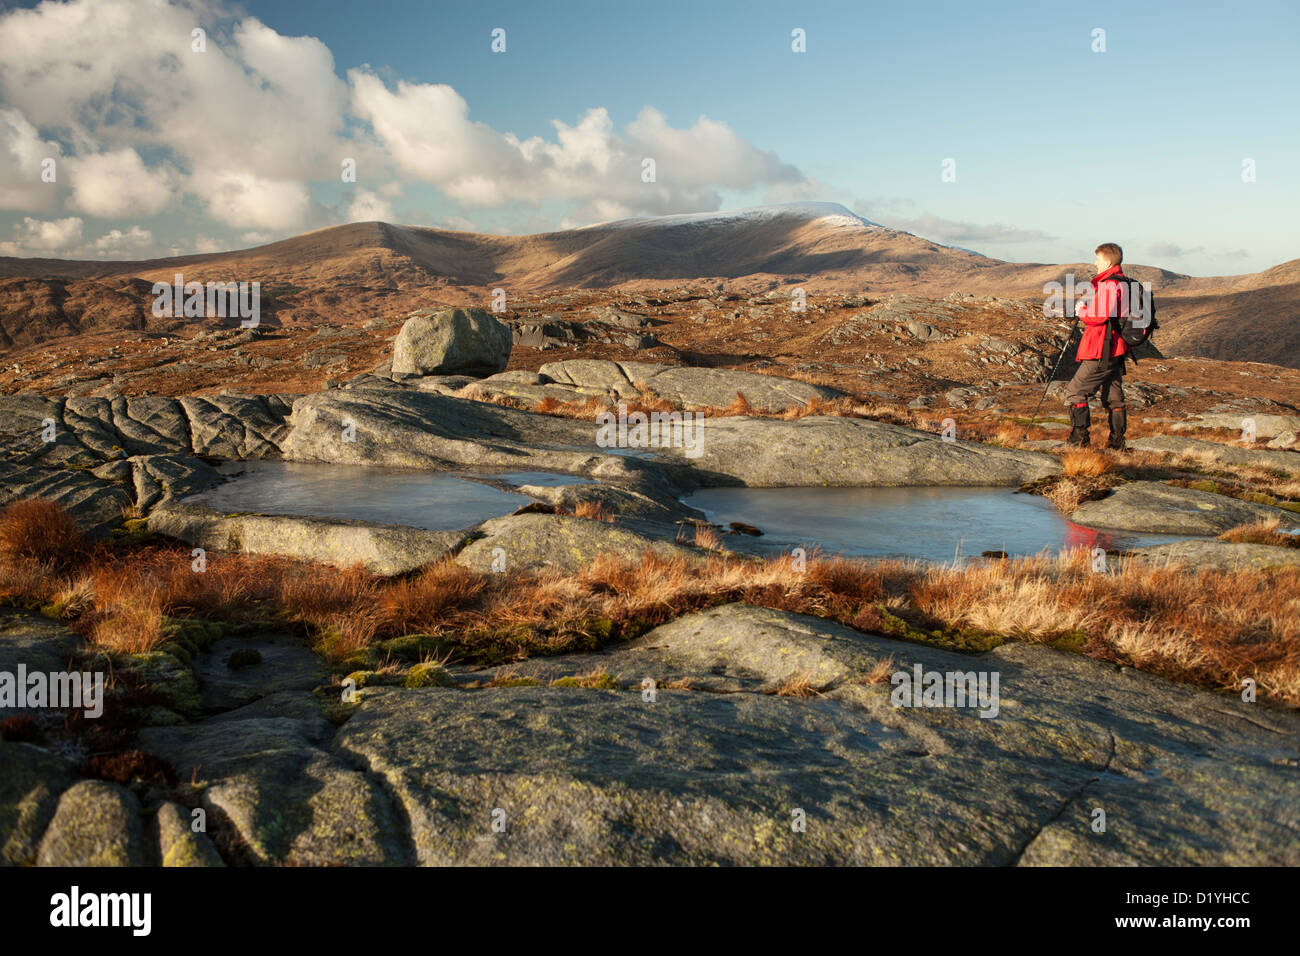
[1105, 302]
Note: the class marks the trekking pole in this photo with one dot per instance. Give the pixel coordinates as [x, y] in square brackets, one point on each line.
[1068, 339]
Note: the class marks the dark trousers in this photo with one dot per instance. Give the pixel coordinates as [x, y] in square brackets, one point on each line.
[1092, 377]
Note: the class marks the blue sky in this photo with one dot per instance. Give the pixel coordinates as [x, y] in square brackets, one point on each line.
[1056, 147]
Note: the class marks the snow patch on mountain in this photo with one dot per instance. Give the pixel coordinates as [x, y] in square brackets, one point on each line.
[825, 213]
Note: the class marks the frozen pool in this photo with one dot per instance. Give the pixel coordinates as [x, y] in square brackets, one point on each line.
[433, 500]
[935, 524]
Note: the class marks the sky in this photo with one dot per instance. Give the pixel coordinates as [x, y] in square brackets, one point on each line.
[1030, 132]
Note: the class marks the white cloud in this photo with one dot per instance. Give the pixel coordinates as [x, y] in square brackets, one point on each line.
[37, 237]
[427, 131]
[206, 244]
[117, 184]
[241, 198]
[22, 153]
[256, 116]
[368, 206]
[117, 244]
[894, 213]
[250, 126]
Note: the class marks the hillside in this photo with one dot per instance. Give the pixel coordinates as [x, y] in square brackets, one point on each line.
[361, 271]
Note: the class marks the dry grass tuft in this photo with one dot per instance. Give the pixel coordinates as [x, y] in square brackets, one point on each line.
[1262, 532]
[1008, 435]
[39, 532]
[798, 685]
[882, 672]
[1086, 463]
[1067, 494]
[707, 538]
[739, 406]
[595, 510]
[130, 628]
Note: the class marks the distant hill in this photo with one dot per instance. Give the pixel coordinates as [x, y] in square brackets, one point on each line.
[365, 270]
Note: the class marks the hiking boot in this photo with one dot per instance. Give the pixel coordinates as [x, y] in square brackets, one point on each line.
[1080, 421]
[1118, 425]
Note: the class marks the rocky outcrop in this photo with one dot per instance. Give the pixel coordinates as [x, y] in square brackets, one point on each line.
[1158, 508]
[734, 735]
[423, 430]
[275, 796]
[91, 431]
[382, 549]
[178, 843]
[1229, 555]
[1266, 425]
[31, 782]
[559, 542]
[96, 504]
[449, 342]
[162, 479]
[95, 456]
[682, 385]
[744, 777]
[840, 452]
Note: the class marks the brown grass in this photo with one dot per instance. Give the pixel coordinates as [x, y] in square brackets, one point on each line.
[1262, 532]
[707, 538]
[1086, 463]
[882, 672]
[798, 685]
[1208, 627]
[1067, 494]
[39, 532]
[595, 510]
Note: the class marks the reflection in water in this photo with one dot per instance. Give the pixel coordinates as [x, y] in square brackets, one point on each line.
[935, 524]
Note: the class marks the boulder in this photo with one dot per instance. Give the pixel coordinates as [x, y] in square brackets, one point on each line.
[1154, 507]
[756, 642]
[178, 844]
[451, 341]
[96, 824]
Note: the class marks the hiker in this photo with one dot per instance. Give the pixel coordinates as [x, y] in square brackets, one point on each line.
[1101, 351]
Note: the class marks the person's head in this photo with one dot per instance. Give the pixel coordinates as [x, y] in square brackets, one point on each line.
[1108, 254]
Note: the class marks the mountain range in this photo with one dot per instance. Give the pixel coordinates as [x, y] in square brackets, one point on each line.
[365, 270]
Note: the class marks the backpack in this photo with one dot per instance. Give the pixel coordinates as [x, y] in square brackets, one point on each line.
[1137, 320]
